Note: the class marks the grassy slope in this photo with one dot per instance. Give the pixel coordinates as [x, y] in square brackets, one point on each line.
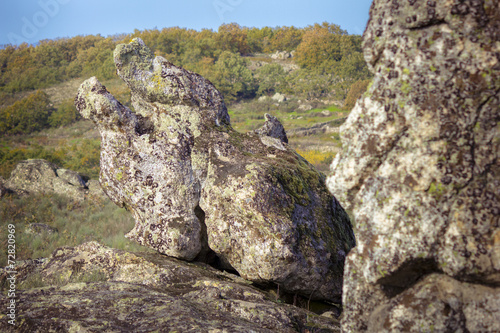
[76, 223]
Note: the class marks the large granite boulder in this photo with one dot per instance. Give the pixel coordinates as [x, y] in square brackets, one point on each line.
[92, 288]
[41, 176]
[196, 187]
[420, 171]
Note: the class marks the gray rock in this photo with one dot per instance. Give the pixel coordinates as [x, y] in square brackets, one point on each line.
[281, 55]
[38, 228]
[95, 189]
[194, 185]
[273, 128]
[40, 176]
[305, 107]
[70, 176]
[278, 97]
[95, 288]
[420, 171]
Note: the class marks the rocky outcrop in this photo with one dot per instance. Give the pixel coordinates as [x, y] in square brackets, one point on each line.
[273, 128]
[92, 288]
[41, 176]
[282, 55]
[196, 187]
[420, 171]
[280, 98]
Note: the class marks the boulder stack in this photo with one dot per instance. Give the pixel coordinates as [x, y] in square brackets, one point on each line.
[197, 188]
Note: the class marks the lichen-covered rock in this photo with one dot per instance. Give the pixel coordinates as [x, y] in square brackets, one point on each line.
[41, 176]
[95, 189]
[273, 128]
[70, 176]
[420, 170]
[95, 288]
[38, 228]
[195, 185]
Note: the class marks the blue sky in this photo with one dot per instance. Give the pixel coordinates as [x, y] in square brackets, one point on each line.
[33, 20]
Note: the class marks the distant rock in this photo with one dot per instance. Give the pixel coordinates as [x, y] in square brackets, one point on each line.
[326, 113]
[280, 98]
[72, 177]
[197, 188]
[40, 176]
[94, 288]
[420, 170]
[38, 228]
[273, 128]
[304, 107]
[281, 55]
[95, 189]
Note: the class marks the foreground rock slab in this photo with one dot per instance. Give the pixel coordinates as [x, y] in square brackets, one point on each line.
[93, 288]
[420, 170]
[199, 189]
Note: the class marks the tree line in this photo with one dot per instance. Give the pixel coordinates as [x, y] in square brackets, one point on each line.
[330, 63]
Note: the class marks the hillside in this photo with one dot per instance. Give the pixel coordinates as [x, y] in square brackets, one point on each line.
[248, 65]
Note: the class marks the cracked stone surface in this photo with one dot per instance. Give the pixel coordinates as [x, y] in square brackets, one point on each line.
[420, 171]
[93, 288]
[197, 188]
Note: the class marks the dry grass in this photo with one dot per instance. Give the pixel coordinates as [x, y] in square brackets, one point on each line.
[76, 223]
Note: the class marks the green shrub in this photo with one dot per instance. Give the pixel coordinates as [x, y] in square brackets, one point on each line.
[270, 77]
[65, 114]
[232, 76]
[28, 115]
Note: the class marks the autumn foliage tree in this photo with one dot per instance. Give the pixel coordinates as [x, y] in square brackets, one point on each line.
[231, 37]
[322, 44]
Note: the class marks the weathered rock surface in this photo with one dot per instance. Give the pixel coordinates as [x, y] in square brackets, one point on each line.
[194, 185]
[281, 55]
[273, 128]
[120, 291]
[41, 176]
[38, 228]
[420, 171]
